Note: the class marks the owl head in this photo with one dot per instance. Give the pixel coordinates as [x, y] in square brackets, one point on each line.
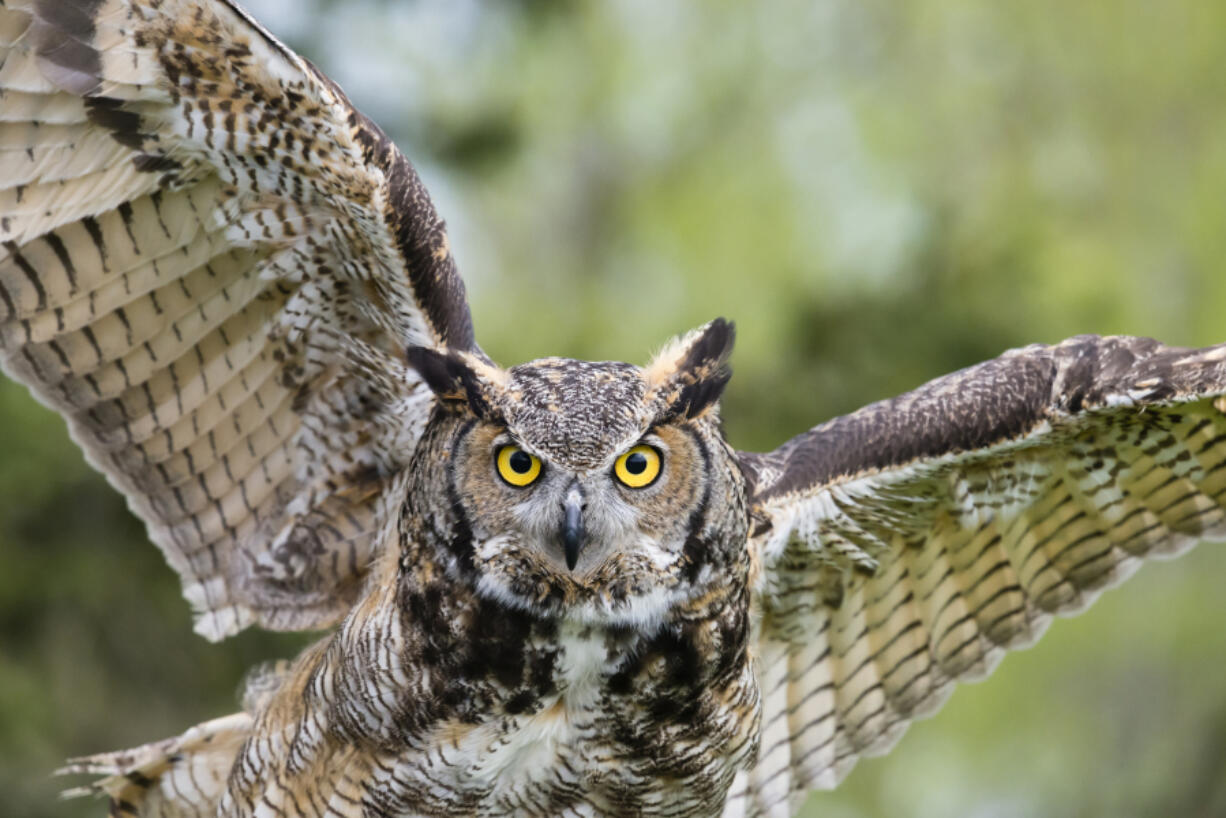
[598, 491]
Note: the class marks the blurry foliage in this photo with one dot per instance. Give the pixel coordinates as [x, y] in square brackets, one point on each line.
[878, 192]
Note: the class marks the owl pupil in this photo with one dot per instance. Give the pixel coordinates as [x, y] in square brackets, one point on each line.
[636, 463]
[520, 462]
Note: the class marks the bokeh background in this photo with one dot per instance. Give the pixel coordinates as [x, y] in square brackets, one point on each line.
[877, 192]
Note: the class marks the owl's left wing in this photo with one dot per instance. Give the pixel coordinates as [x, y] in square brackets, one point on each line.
[907, 546]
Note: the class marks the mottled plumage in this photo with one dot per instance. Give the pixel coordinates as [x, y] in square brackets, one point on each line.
[553, 589]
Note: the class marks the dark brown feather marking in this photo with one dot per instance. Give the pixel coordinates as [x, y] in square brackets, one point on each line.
[453, 381]
[420, 235]
[703, 373]
[125, 126]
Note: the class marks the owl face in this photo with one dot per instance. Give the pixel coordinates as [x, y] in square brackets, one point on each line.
[587, 489]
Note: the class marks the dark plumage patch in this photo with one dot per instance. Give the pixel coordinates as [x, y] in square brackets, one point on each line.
[125, 126]
[420, 233]
[154, 163]
[695, 552]
[453, 381]
[139, 779]
[701, 376]
[459, 540]
[520, 702]
[496, 644]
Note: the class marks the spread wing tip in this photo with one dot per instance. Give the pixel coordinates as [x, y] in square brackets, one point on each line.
[988, 404]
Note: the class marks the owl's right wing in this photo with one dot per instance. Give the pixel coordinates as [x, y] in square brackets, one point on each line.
[905, 547]
[211, 265]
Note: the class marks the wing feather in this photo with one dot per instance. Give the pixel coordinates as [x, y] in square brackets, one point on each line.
[211, 264]
[909, 545]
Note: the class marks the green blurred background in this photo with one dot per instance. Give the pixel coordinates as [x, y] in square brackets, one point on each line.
[877, 192]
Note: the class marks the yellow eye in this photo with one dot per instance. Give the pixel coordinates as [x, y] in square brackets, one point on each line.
[639, 467]
[517, 467]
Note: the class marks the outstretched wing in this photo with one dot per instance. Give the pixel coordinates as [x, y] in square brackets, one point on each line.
[907, 546]
[211, 264]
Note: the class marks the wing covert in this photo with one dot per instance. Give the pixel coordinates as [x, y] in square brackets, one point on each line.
[211, 264]
[909, 545]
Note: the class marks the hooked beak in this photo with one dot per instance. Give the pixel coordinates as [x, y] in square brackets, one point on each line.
[572, 525]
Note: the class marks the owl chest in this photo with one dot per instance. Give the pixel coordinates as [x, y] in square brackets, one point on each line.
[615, 730]
[533, 741]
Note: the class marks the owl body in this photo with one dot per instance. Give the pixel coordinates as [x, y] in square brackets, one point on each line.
[617, 727]
[465, 683]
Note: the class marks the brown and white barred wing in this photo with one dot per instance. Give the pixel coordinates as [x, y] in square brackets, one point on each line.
[211, 265]
[180, 777]
[915, 541]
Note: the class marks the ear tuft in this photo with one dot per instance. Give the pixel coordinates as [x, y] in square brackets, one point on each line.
[690, 374]
[461, 381]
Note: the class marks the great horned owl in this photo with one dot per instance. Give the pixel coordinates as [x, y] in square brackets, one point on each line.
[553, 589]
